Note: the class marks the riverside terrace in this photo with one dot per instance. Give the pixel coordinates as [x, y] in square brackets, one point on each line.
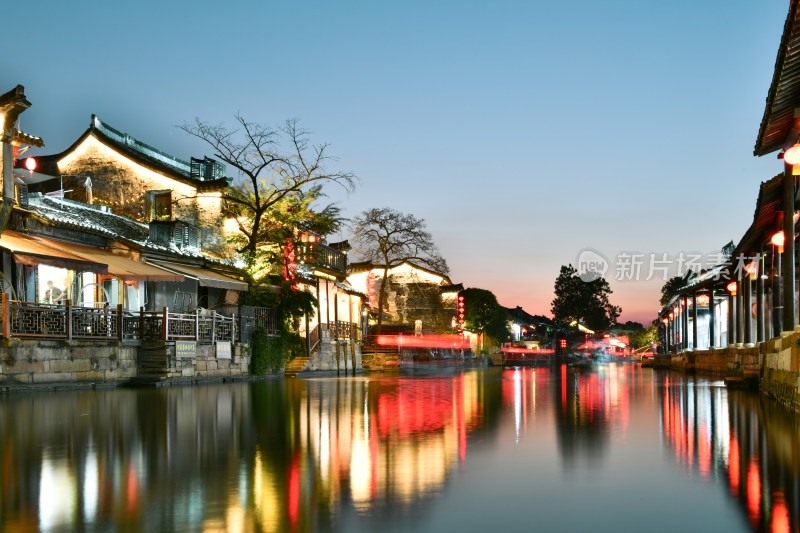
[58, 344]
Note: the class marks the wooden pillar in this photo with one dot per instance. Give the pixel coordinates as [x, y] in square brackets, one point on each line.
[739, 303]
[760, 308]
[777, 297]
[684, 323]
[788, 249]
[308, 338]
[336, 310]
[712, 320]
[327, 305]
[670, 334]
[694, 321]
[731, 319]
[747, 300]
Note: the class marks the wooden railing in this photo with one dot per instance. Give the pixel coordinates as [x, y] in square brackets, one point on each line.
[314, 339]
[344, 331]
[68, 322]
[322, 255]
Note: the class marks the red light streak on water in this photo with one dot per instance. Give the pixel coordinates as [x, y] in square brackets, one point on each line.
[733, 464]
[424, 341]
[753, 491]
[704, 452]
[780, 514]
[294, 491]
[519, 349]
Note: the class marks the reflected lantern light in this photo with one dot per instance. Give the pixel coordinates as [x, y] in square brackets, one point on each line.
[30, 164]
[792, 155]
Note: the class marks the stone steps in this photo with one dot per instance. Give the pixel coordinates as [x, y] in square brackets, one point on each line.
[295, 366]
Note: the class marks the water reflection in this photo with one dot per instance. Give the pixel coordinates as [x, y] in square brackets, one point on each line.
[745, 440]
[389, 453]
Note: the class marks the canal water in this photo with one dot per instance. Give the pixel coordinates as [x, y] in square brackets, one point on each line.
[611, 448]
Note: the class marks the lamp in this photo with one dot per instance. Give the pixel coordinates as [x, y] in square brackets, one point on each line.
[792, 155]
[778, 240]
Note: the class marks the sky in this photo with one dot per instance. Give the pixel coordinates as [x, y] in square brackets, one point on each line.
[522, 132]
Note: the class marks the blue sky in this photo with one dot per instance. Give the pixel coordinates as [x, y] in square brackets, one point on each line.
[522, 132]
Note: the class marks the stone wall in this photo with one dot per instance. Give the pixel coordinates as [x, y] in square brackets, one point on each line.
[46, 361]
[780, 375]
[26, 363]
[730, 361]
[775, 363]
[342, 356]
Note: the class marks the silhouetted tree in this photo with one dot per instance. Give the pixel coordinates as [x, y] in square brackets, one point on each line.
[483, 315]
[583, 301]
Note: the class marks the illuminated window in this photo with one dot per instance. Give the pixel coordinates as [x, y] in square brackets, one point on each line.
[160, 205]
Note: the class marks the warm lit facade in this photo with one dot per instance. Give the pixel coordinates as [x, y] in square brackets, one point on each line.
[108, 167]
[412, 293]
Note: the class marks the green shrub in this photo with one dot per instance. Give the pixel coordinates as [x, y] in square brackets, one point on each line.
[270, 353]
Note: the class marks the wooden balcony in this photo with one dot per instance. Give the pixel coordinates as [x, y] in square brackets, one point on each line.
[322, 256]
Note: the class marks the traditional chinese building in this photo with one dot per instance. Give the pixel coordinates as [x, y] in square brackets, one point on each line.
[105, 166]
[740, 318]
[412, 293]
[333, 334]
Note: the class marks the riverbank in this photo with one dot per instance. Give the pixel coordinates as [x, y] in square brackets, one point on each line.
[772, 366]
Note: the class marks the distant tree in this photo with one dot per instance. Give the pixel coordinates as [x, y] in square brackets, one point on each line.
[644, 337]
[630, 325]
[280, 174]
[671, 288]
[483, 315]
[388, 238]
[583, 301]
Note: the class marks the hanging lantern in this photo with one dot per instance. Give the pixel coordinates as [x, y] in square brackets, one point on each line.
[665, 321]
[752, 269]
[671, 316]
[703, 300]
[792, 155]
[731, 288]
[30, 164]
[778, 240]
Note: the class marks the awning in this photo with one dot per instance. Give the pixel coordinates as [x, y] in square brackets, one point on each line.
[205, 277]
[121, 267]
[28, 250]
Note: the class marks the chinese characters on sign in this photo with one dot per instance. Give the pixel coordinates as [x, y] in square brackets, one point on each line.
[640, 266]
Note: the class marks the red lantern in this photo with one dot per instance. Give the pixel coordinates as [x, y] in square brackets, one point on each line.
[792, 155]
[30, 164]
[702, 300]
[752, 269]
[731, 288]
[779, 240]
[665, 321]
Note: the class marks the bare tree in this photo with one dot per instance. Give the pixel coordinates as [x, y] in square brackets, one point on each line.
[280, 173]
[389, 238]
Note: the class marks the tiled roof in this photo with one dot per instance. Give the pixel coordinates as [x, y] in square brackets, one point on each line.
[101, 221]
[783, 96]
[137, 151]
